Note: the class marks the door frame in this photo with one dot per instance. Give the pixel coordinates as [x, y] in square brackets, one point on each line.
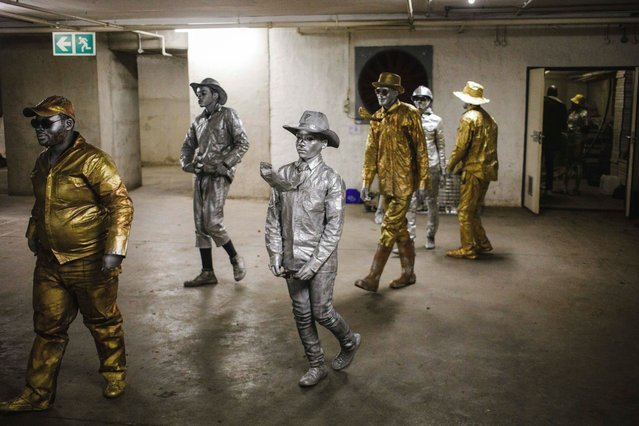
[635, 117]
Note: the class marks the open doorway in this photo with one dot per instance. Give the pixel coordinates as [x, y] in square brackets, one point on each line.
[580, 158]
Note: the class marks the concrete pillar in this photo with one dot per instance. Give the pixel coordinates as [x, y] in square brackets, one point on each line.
[103, 89]
[164, 107]
[239, 60]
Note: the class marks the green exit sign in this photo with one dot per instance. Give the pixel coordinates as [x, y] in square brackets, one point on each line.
[73, 44]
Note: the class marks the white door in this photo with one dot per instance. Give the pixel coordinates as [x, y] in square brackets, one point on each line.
[633, 174]
[534, 122]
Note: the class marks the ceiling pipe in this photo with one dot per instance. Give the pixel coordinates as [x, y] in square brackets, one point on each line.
[32, 20]
[161, 37]
[366, 22]
[411, 15]
[63, 15]
[523, 6]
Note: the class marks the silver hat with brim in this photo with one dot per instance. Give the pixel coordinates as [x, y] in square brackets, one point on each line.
[315, 122]
[214, 85]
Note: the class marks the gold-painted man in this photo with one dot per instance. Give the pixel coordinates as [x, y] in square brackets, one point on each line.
[78, 230]
[475, 157]
[396, 153]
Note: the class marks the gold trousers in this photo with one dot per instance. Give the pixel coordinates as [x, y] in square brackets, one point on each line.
[473, 192]
[58, 292]
[394, 224]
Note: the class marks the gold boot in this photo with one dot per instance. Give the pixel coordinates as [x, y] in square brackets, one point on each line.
[407, 260]
[371, 282]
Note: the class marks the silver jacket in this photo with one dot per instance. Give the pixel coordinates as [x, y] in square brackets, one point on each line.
[578, 120]
[304, 225]
[435, 142]
[219, 137]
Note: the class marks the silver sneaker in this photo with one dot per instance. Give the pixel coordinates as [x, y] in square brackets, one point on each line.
[239, 270]
[430, 243]
[344, 357]
[205, 278]
[313, 376]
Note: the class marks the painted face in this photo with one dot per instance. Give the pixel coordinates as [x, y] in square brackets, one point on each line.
[206, 96]
[422, 102]
[50, 131]
[386, 96]
[308, 145]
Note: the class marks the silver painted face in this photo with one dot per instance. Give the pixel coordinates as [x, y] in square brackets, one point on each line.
[50, 131]
[206, 96]
[308, 145]
[386, 96]
[422, 102]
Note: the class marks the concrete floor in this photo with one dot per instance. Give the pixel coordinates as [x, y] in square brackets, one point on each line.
[542, 331]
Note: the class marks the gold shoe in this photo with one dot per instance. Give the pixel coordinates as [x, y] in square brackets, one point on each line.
[484, 247]
[114, 389]
[23, 403]
[460, 253]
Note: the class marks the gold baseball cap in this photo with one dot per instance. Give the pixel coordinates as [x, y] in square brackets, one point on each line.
[53, 105]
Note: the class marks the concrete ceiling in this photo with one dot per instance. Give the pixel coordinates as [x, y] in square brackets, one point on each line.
[118, 15]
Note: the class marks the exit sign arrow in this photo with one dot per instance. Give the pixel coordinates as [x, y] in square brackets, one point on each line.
[62, 43]
[73, 44]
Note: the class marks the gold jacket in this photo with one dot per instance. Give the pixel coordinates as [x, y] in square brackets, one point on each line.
[81, 205]
[476, 145]
[396, 152]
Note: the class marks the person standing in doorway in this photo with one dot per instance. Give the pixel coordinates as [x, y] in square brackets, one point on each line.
[214, 144]
[577, 123]
[554, 133]
[475, 158]
[79, 229]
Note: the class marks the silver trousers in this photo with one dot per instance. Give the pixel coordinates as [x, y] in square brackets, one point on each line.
[209, 196]
[313, 301]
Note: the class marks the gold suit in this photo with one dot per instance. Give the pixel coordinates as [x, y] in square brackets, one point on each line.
[396, 153]
[476, 154]
[82, 211]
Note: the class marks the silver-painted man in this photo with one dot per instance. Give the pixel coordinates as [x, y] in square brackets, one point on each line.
[436, 148]
[214, 144]
[303, 226]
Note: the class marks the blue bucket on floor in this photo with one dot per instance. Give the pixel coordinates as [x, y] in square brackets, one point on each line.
[352, 196]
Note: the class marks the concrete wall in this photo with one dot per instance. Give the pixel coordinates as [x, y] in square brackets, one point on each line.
[315, 72]
[30, 73]
[117, 83]
[102, 88]
[238, 59]
[2, 143]
[164, 107]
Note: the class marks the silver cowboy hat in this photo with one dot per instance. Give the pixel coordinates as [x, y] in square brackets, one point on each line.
[315, 122]
[214, 85]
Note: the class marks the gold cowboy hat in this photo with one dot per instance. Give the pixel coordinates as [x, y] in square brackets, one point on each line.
[578, 99]
[315, 122]
[213, 85]
[53, 105]
[473, 94]
[388, 79]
